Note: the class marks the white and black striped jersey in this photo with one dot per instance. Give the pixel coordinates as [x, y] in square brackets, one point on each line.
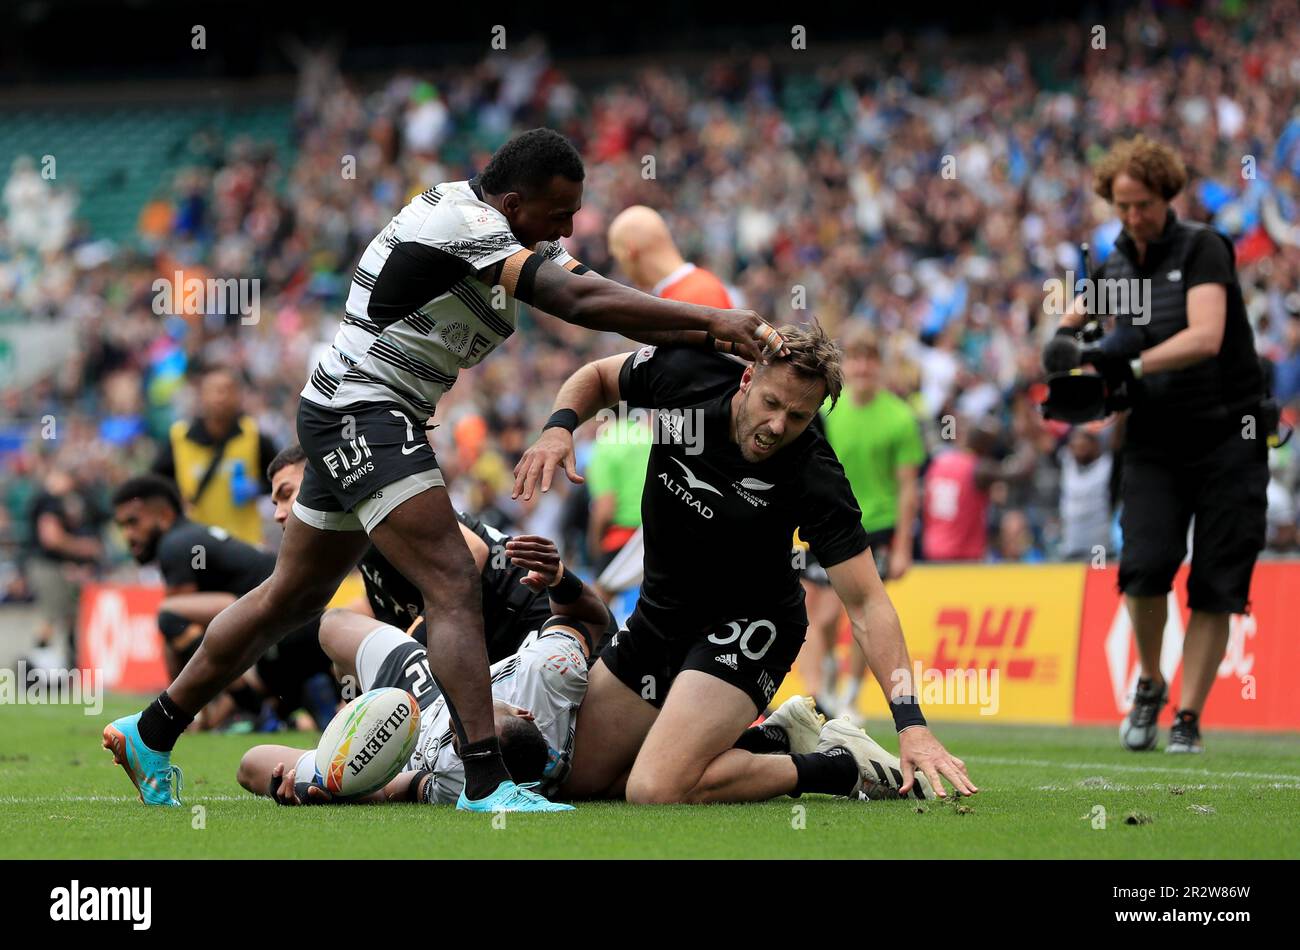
[548, 677]
[416, 314]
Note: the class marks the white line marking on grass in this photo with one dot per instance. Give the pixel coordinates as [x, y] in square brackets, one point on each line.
[1108, 767]
[49, 799]
[1156, 787]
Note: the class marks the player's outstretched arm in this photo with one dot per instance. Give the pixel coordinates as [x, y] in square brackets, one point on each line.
[751, 351]
[592, 388]
[608, 305]
[880, 635]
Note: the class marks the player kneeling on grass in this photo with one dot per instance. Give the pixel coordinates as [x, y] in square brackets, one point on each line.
[721, 614]
[536, 694]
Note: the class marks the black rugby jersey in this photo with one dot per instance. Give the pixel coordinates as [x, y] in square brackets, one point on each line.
[717, 528]
[211, 559]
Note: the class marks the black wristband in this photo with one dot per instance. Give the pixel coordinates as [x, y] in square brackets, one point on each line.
[906, 712]
[413, 789]
[563, 419]
[300, 789]
[567, 590]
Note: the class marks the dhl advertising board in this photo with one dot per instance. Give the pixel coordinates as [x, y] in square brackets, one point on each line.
[118, 634]
[1059, 638]
[989, 643]
[1011, 643]
[1255, 683]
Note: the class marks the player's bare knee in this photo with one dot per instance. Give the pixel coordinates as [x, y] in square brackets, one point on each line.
[655, 786]
[246, 775]
[654, 791]
[335, 634]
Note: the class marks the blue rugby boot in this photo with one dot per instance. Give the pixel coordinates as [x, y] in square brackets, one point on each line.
[155, 778]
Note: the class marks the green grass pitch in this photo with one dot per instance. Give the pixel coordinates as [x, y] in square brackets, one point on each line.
[61, 797]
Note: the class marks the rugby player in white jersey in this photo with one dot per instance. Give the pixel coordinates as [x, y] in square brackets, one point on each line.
[536, 694]
[434, 292]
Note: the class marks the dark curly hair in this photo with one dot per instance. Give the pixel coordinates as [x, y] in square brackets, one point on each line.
[1153, 163]
[524, 750]
[529, 161]
[146, 488]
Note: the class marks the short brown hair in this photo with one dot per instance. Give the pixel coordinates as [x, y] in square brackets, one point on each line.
[814, 355]
[1153, 163]
[860, 339]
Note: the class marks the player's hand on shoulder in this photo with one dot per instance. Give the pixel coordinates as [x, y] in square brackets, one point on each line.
[751, 335]
[553, 448]
[919, 749]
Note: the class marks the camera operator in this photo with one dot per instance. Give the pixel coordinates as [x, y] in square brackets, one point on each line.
[1196, 439]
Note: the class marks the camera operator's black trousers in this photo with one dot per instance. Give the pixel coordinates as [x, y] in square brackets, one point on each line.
[1210, 472]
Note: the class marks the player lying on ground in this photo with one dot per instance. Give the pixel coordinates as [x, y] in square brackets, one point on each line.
[536, 694]
[536, 689]
[513, 605]
[205, 570]
[721, 616]
[434, 292]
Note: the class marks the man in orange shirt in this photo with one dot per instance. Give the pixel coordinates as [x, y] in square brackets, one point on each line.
[645, 251]
[647, 255]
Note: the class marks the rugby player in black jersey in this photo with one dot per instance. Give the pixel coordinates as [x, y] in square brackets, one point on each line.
[205, 570]
[721, 615]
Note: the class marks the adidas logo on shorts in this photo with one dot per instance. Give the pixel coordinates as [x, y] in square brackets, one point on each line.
[728, 659]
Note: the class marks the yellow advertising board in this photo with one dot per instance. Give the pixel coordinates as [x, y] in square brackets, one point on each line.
[350, 591]
[989, 642]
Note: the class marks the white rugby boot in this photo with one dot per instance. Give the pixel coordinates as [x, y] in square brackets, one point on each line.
[802, 723]
[880, 772]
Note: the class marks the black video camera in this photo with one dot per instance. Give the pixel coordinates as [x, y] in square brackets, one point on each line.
[1073, 394]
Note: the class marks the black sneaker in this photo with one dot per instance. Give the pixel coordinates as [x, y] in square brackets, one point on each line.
[1138, 731]
[1185, 736]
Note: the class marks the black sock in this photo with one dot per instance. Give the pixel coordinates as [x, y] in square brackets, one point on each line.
[833, 772]
[162, 723]
[484, 767]
[1186, 715]
[764, 740]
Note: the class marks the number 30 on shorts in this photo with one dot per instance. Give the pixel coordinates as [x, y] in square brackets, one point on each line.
[757, 627]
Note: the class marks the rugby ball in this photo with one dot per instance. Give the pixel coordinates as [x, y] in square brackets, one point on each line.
[368, 742]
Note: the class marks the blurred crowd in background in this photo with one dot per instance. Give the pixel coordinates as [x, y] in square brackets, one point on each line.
[925, 188]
